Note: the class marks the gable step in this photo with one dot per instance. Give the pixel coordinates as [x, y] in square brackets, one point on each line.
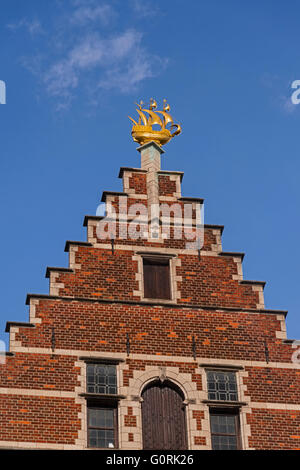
[72, 242]
[60, 270]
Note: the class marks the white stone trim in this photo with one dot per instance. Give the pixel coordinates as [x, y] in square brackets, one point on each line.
[275, 406]
[177, 178]
[81, 440]
[37, 392]
[260, 290]
[244, 410]
[13, 344]
[168, 198]
[137, 196]
[32, 311]
[55, 286]
[174, 279]
[126, 176]
[35, 445]
[282, 334]
[161, 249]
[183, 359]
[239, 267]
[91, 228]
[72, 257]
[184, 381]
[176, 293]
[218, 246]
[139, 276]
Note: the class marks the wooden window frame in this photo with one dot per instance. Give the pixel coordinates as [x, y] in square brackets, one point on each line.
[104, 405]
[102, 400]
[160, 259]
[227, 411]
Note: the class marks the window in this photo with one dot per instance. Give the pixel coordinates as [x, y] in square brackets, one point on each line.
[157, 283]
[102, 410]
[102, 425]
[222, 386]
[224, 417]
[224, 425]
[101, 378]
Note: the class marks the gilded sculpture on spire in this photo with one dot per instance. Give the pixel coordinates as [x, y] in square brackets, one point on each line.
[143, 132]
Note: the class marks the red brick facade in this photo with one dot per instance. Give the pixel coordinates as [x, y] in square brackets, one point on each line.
[96, 310]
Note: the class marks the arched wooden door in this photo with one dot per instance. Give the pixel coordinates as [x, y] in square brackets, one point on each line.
[163, 417]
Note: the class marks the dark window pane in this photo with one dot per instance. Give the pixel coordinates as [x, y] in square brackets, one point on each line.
[214, 422]
[222, 386]
[224, 443]
[109, 419]
[101, 379]
[101, 427]
[101, 438]
[212, 396]
[224, 430]
[96, 418]
[92, 438]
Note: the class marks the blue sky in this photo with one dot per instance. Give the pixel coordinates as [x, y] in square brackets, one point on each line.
[73, 70]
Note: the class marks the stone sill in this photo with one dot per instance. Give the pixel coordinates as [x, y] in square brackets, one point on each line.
[101, 360]
[221, 367]
[225, 404]
[102, 396]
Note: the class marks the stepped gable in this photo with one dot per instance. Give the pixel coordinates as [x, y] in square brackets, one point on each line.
[226, 287]
[166, 316]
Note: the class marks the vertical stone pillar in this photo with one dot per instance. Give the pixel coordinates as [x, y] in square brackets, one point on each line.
[150, 161]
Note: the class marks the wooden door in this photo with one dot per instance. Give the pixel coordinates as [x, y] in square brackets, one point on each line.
[163, 417]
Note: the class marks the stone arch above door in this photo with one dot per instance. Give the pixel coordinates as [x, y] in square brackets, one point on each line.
[193, 399]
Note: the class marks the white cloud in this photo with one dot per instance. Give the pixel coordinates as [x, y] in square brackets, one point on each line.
[143, 8]
[287, 105]
[79, 58]
[119, 62]
[32, 26]
[85, 14]
[129, 77]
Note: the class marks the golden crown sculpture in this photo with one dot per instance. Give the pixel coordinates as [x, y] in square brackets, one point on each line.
[142, 131]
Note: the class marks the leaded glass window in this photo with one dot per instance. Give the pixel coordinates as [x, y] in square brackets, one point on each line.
[224, 431]
[222, 386]
[101, 378]
[102, 427]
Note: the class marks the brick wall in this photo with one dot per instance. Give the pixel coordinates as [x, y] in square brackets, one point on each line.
[274, 429]
[38, 419]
